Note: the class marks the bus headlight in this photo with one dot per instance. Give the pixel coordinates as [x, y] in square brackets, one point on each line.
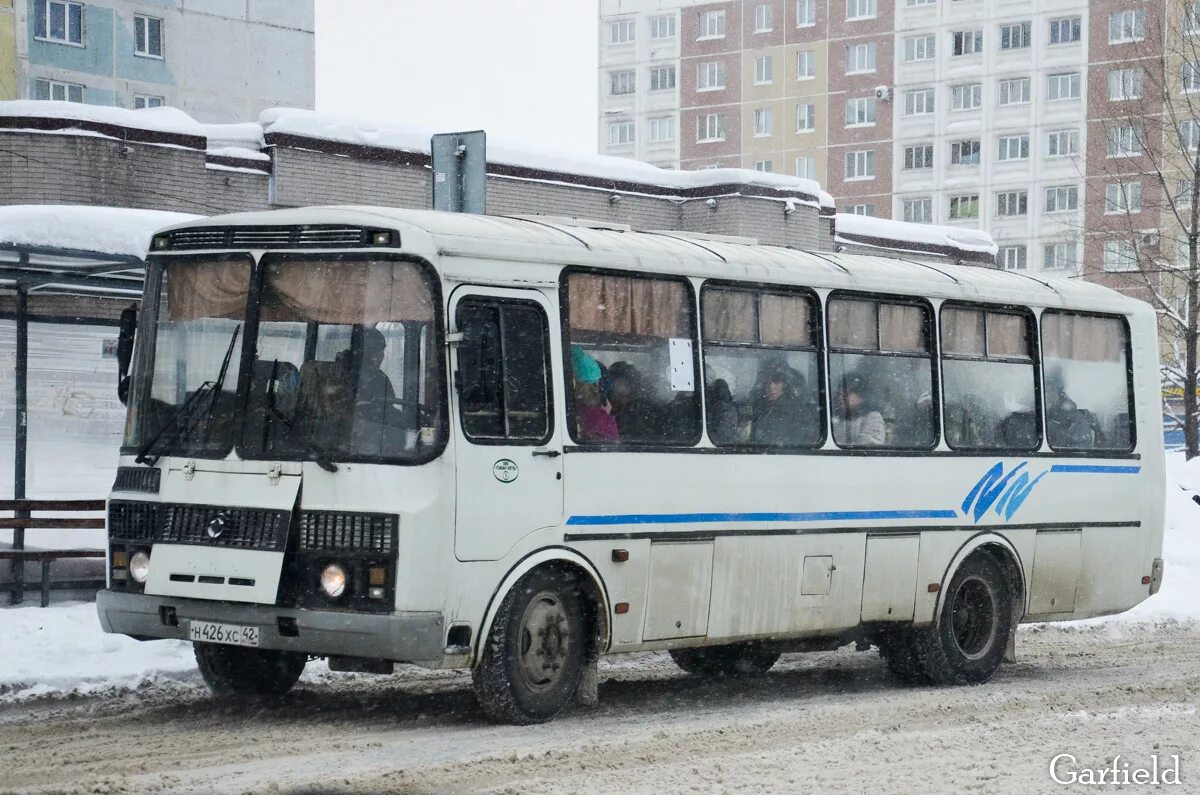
[139, 566]
[333, 580]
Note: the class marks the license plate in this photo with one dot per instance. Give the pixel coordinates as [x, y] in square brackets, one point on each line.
[230, 634]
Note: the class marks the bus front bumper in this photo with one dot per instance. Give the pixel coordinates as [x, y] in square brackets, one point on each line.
[401, 637]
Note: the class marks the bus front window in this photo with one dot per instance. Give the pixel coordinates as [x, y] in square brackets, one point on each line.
[345, 364]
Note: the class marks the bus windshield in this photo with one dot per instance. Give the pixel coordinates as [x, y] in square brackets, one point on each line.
[344, 365]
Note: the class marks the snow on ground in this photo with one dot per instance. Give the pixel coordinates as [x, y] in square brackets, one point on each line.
[43, 647]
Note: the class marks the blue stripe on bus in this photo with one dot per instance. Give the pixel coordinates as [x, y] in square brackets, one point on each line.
[697, 518]
[1094, 469]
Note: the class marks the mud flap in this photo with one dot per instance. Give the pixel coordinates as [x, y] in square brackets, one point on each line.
[588, 692]
[1010, 650]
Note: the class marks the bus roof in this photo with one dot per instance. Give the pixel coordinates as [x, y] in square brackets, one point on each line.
[555, 241]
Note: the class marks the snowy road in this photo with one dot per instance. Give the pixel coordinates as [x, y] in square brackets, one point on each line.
[815, 722]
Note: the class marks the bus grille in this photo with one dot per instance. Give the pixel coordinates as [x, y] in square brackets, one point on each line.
[133, 521]
[137, 479]
[348, 532]
[203, 525]
[242, 238]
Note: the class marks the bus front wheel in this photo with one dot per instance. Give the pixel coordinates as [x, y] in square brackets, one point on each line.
[231, 670]
[534, 656]
[966, 644]
[741, 659]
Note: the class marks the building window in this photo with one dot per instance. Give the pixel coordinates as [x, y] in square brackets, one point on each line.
[1189, 135]
[662, 26]
[1063, 86]
[806, 13]
[1013, 257]
[806, 65]
[1127, 26]
[1013, 92]
[764, 69]
[1012, 202]
[1014, 147]
[867, 210]
[621, 133]
[1066, 30]
[1123, 197]
[964, 207]
[860, 164]
[806, 167]
[1062, 198]
[710, 127]
[662, 129]
[1120, 256]
[916, 3]
[147, 101]
[712, 24]
[762, 165]
[919, 210]
[1125, 84]
[920, 48]
[53, 89]
[764, 122]
[662, 78]
[1184, 197]
[860, 112]
[1059, 256]
[1062, 143]
[764, 21]
[968, 42]
[1017, 36]
[918, 102]
[860, 58]
[919, 156]
[148, 36]
[1125, 140]
[861, 9]
[1191, 76]
[967, 96]
[622, 31]
[58, 21]
[806, 118]
[710, 76]
[965, 153]
[623, 82]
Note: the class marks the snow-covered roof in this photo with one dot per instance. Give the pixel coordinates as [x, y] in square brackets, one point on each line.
[397, 135]
[243, 140]
[117, 232]
[160, 120]
[864, 230]
[543, 244]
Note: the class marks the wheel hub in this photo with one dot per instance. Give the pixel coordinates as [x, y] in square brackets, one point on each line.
[544, 642]
[973, 617]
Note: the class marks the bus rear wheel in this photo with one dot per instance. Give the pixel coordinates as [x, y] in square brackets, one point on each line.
[966, 644]
[534, 656]
[231, 670]
[741, 659]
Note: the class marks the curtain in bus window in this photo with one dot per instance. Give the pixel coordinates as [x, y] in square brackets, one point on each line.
[346, 292]
[962, 332]
[902, 328]
[853, 324]
[625, 305]
[214, 289]
[1007, 335]
[1083, 338]
[730, 316]
[785, 320]
[1088, 403]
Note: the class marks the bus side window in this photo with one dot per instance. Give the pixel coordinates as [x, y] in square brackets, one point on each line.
[988, 380]
[631, 378]
[761, 368]
[881, 373]
[1085, 366]
[502, 375]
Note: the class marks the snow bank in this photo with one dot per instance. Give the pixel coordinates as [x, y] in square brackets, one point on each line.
[392, 134]
[166, 120]
[109, 230]
[924, 234]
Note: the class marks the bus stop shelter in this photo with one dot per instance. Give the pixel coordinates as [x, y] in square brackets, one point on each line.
[64, 264]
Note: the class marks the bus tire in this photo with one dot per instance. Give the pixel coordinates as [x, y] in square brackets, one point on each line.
[966, 644]
[533, 658]
[231, 670]
[741, 659]
[898, 653]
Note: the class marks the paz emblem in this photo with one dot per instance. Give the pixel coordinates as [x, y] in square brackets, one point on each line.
[216, 526]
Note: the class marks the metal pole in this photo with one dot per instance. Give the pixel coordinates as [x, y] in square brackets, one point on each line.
[21, 438]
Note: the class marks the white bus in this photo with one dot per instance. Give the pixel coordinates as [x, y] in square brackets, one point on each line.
[512, 444]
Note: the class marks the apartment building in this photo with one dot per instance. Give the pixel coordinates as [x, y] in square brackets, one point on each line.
[218, 60]
[968, 113]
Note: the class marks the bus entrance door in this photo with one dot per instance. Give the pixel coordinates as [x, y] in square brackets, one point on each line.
[508, 451]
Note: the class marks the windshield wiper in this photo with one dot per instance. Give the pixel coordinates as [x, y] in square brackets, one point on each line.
[182, 416]
[322, 458]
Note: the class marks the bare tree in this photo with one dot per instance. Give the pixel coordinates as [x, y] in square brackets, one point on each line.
[1142, 212]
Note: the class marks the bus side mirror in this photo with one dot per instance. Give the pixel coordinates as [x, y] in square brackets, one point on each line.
[127, 329]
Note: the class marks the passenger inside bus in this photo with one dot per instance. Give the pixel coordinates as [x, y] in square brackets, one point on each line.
[857, 421]
[594, 421]
[723, 423]
[781, 418]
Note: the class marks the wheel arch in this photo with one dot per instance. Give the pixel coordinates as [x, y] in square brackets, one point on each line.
[563, 558]
[1004, 553]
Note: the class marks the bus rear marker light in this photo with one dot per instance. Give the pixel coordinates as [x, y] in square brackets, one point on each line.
[621, 608]
[934, 587]
[1146, 580]
[620, 555]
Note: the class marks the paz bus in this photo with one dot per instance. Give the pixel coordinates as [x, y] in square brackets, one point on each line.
[513, 444]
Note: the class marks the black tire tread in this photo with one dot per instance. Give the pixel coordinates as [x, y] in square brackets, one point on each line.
[230, 670]
[898, 653]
